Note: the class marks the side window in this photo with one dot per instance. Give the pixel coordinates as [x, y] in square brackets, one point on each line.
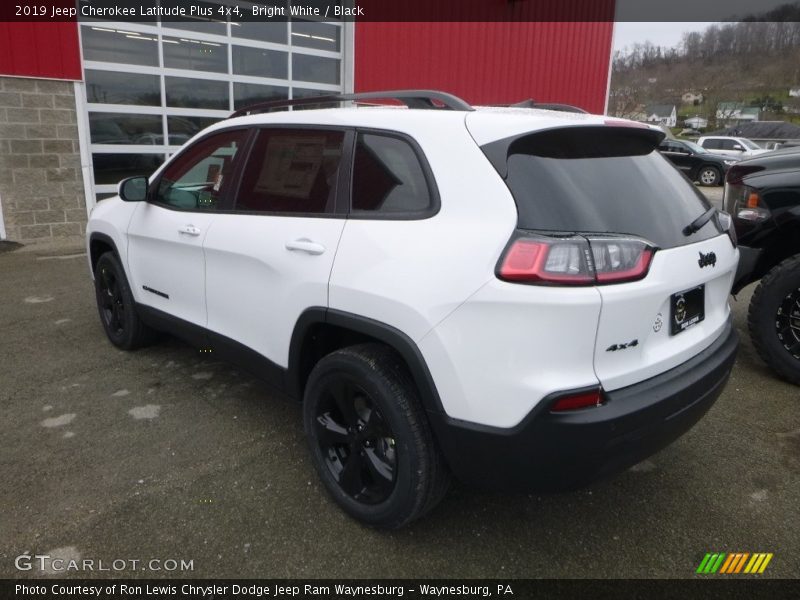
[292, 171]
[728, 144]
[712, 144]
[388, 177]
[197, 179]
[673, 147]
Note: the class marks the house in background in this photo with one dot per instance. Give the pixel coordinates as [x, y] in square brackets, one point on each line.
[663, 114]
[794, 92]
[735, 113]
[696, 122]
[692, 98]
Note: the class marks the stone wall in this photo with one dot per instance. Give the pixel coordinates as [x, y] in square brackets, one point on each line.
[41, 183]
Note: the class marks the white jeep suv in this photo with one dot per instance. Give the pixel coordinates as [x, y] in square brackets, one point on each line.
[522, 298]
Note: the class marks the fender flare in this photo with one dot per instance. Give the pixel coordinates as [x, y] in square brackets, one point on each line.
[105, 238]
[391, 336]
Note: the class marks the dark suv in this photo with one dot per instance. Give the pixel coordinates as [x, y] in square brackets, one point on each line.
[763, 195]
[697, 163]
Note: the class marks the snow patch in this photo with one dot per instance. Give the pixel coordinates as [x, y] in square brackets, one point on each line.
[38, 299]
[66, 554]
[59, 421]
[148, 411]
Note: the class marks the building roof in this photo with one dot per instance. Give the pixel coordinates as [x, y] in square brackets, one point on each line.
[660, 110]
[764, 130]
[737, 107]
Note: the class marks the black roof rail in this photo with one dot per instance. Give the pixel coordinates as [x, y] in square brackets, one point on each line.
[429, 99]
[546, 106]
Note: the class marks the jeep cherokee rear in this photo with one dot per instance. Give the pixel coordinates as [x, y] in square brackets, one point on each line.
[524, 298]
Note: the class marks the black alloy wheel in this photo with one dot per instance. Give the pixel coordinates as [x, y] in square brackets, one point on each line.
[787, 323]
[774, 319]
[116, 306]
[370, 439]
[111, 304]
[356, 442]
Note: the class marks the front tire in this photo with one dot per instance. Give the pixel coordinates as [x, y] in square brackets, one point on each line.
[774, 319]
[370, 440]
[709, 176]
[116, 306]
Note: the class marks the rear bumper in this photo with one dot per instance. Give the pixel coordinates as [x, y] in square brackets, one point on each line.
[557, 451]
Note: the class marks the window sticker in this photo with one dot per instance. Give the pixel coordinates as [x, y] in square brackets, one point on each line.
[291, 166]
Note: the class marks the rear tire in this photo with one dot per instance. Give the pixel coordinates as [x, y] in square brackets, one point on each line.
[116, 306]
[709, 176]
[774, 319]
[370, 439]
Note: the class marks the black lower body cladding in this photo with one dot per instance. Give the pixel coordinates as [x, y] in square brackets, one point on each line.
[561, 451]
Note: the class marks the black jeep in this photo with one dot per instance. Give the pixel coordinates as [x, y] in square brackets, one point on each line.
[763, 196]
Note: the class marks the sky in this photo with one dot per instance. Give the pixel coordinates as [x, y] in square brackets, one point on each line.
[633, 17]
[660, 34]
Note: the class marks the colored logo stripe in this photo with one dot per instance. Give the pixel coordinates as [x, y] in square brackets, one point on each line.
[720, 562]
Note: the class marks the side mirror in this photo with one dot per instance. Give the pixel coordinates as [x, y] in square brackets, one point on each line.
[133, 189]
[738, 147]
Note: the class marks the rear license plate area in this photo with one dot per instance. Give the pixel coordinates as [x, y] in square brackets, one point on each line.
[687, 309]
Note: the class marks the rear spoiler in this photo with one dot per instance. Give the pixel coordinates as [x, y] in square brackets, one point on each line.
[624, 138]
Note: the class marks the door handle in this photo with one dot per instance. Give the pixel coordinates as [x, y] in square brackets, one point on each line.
[189, 230]
[305, 245]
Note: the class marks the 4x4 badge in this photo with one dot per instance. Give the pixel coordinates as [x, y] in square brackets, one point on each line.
[707, 259]
[615, 347]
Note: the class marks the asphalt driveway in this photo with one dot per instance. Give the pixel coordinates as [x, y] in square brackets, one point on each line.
[165, 454]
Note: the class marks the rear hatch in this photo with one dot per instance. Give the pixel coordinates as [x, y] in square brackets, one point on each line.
[664, 283]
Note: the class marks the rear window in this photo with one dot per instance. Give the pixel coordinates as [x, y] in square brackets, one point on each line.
[600, 180]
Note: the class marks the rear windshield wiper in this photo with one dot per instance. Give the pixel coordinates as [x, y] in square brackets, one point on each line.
[698, 223]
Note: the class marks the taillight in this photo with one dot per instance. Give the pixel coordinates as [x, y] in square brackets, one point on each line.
[726, 223]
[574, 260]
[562, 261]
[578, 401]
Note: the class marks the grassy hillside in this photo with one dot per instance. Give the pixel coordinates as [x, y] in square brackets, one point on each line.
[715, 64]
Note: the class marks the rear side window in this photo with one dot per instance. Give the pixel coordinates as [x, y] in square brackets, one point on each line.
[712, 144]
[600, 180]
[672, 147]
[292, 171]
[388, 178]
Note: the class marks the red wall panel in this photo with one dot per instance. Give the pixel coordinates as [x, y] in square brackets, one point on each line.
[40, 50]
[494, 62]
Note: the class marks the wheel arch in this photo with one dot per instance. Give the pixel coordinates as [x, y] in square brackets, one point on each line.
[784, 244]
[99, 244]
[320, 330]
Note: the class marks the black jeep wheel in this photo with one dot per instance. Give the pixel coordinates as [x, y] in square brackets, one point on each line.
[116, 306]
[774, 319]
[370, 440]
